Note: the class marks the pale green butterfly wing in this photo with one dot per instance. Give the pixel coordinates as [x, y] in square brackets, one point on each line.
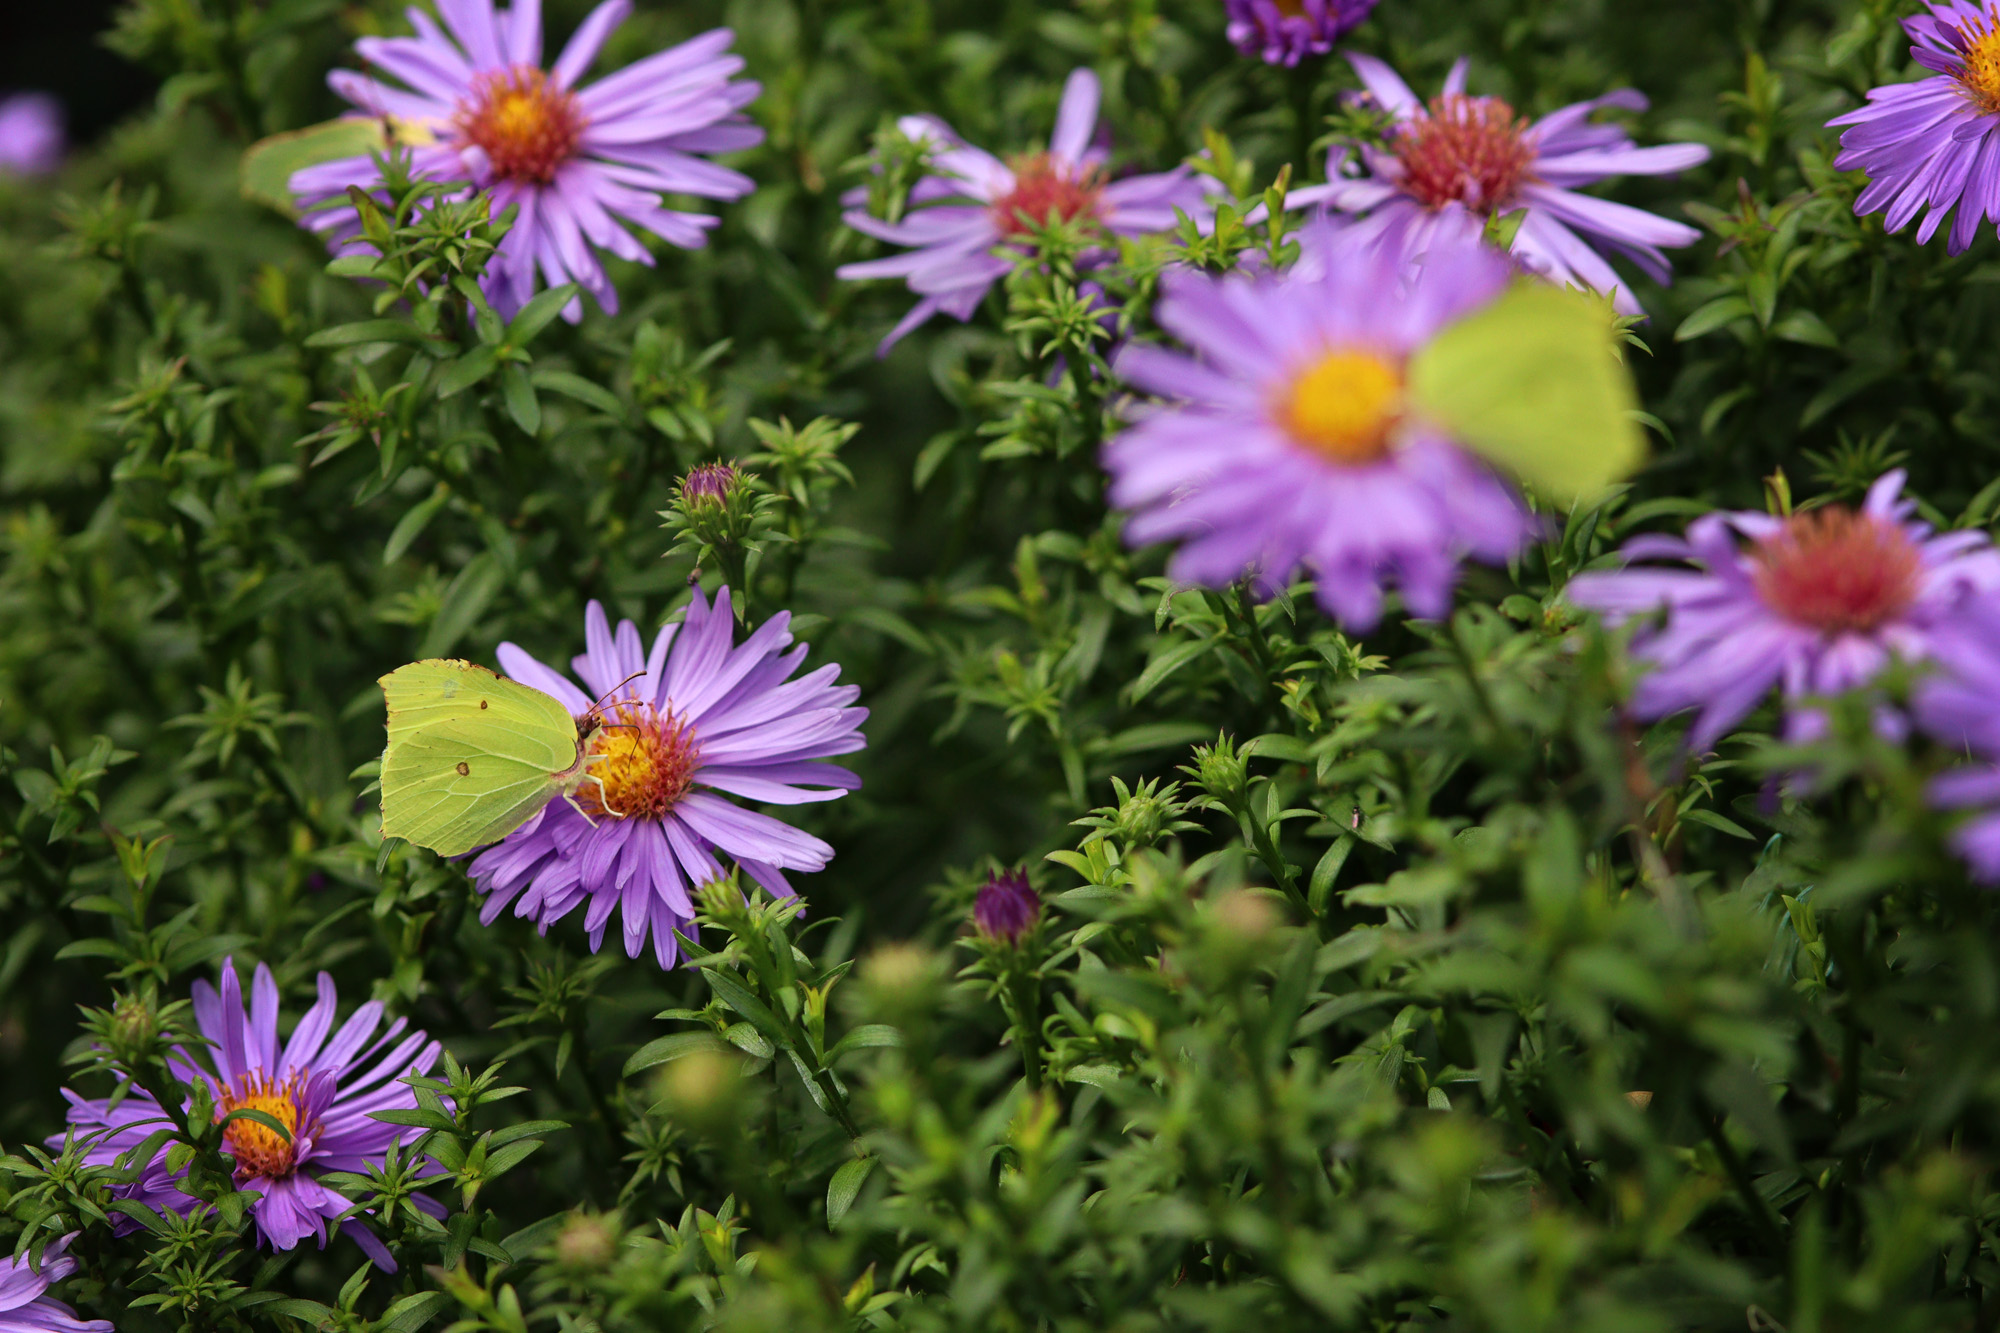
[470, 756]
[1532, 384]
[265, 173]
[426, 800]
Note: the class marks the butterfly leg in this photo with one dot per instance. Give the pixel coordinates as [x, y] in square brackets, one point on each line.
[570, 796]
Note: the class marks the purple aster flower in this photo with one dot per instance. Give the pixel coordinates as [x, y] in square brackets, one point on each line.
[1290, 443]
[695, 718]
[1818, 604]
[26, 1306]
[324, 1088]
[584, 164]
[1007, 907]
[1476, 152]
[1284, 32]
[1932, 143]
[963, 216]
[31, 133]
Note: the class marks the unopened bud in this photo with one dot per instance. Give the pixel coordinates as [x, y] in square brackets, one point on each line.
[587, 1242]
[1246, 916]
[133, 1025]
[702, 1089]
[1007, 907]
[709, 483]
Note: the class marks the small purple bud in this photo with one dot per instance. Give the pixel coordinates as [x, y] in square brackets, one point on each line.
[710, 481]
[1007, 907]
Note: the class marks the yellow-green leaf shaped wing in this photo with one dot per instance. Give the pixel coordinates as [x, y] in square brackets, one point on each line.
[471, 756]
[1532, 383]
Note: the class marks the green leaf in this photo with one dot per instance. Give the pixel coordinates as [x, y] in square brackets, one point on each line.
[366, 331]
[868, 1034]
[846, 1184]
[266, 170]
[580, 389]
[535, 316]
[1719, 313]
[1719, 823]
[1165, 665]
[464, 602]
[412, 1312]
[662, 1049]
[412, 524]
[467, 371]
[1533, 384]
[519, 396]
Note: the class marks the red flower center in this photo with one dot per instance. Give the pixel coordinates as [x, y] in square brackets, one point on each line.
[526, 126]
[260, 1151]
[1469, 150]
[1040, 188]
[1981, 76]
[644, 760]
[1836, 570]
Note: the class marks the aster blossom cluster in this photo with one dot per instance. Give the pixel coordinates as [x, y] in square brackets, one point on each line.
[693, 720]
[325, 1084]
[584, 164]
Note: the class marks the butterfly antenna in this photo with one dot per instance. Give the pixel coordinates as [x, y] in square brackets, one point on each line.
[596, 710]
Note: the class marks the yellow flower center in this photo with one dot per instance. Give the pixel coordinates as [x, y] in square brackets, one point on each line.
[1981, 77]
[645, 761]
[526, 126]
[259, 1150]
[1345, 405]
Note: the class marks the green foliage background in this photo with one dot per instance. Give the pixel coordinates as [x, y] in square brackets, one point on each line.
[1425, 993]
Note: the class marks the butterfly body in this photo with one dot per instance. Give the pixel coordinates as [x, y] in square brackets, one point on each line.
[472, 756]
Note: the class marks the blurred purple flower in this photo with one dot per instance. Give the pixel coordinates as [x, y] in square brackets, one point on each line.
[1816, 604]
[1007, 907]
[1933, 143]
[31, 133]
[324, 1090]
[962, 217]
[694, 718]
[1287, 442]
[1283, 32]
[26, 1306]
[1977, 840]
[1475, 152]
[584, 164]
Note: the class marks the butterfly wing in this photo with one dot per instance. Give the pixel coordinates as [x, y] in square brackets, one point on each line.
[470, 756]
[1533, 385]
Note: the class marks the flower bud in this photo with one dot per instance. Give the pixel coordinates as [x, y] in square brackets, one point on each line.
[1007, 907]
[587, 1242]
[709, 484]
[702, 1089]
